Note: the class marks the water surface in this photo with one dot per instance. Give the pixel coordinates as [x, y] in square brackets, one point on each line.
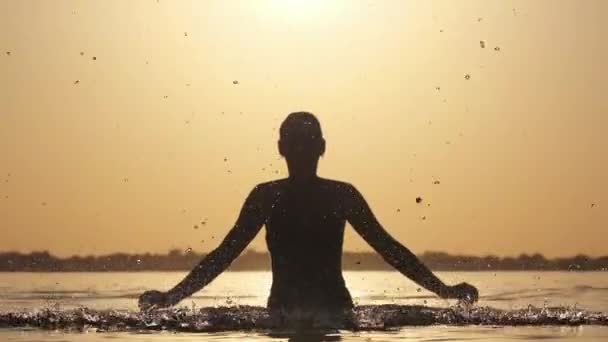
[565, 306]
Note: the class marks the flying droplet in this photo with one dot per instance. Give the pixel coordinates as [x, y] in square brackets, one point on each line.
[438, 88]
[482, 44]
[165, 97]
[235, 82]
[497, 48]
[225, 159]
[189, 250]
[423, 218]
[436, 182]
[358, 262]
[592, 205]
[81, 53]
[195, 226]
[441, 31]
[185, 34]
[418, 290]
[418, 199]
[43, 204]
[77, 81]
[398, 210]
[479, 19]
[467, 77]
[8, 53]
[138, 261]
[94, 58]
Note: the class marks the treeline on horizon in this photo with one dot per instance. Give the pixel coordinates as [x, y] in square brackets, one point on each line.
[176, 260]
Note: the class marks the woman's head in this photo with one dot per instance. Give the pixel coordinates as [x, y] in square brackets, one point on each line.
[301, 139]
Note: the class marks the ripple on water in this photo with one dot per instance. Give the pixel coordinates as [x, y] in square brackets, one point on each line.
[233, 318]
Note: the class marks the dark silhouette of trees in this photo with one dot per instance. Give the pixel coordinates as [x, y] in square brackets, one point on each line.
[251, 260]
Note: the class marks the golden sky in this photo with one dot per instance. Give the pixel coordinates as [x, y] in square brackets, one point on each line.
[116, 117]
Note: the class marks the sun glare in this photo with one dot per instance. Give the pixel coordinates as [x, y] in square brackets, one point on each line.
[300, 9]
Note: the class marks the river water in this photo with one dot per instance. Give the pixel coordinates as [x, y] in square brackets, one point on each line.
[514, 306]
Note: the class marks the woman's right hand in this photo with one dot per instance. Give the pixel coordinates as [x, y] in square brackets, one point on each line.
[153, 299]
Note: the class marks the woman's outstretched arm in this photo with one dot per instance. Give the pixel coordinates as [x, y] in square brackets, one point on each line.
[360, 216]
[248, 224]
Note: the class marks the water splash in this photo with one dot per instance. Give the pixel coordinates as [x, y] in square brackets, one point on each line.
[366, 317]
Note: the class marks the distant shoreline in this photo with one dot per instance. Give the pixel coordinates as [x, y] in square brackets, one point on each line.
[177, 260]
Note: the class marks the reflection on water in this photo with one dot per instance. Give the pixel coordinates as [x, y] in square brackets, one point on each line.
[560, 305]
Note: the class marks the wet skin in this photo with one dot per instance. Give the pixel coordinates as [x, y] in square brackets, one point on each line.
[305, 217]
